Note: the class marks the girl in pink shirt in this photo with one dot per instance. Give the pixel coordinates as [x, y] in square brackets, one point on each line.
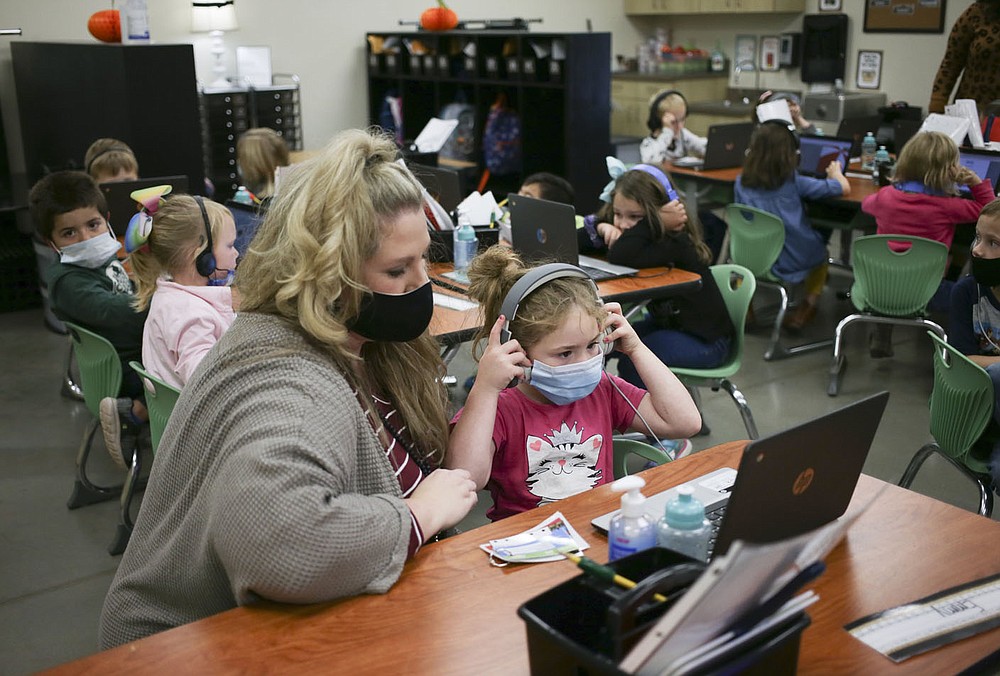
[923, 200]
[183, 256]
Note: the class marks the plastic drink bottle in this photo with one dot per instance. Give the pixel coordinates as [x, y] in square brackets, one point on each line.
[868, 148]
[464, 246]
[882, 164]
[631, 530]
[684, 527]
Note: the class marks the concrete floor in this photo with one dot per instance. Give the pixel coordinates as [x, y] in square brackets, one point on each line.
[54, 564]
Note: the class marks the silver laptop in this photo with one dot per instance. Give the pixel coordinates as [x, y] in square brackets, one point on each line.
[541, 230]
[787, 484]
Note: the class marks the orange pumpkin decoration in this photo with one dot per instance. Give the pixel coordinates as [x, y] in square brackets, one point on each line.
[105, 25]
[438, 18]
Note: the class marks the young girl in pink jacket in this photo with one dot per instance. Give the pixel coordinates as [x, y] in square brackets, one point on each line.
[183, 256]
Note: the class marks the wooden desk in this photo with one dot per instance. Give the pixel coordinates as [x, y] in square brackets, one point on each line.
[456, 614]
[456, 326]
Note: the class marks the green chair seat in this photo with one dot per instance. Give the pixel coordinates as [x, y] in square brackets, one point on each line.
[160, 400]
[737, 285]
[623, 448]
[961, 408]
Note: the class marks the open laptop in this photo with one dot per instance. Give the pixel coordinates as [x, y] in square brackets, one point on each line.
[546, 231]
[726, 147]
[855, 129]
[986, 164]
[816, 153]
[121, 206]
[444, 185]
[787, 484]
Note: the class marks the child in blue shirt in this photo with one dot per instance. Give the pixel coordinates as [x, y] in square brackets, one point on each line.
[770, 181]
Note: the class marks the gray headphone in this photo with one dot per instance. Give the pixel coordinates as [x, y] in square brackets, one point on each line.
[533, 279]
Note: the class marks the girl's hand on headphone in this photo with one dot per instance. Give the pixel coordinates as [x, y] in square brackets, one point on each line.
[621, 332]
[670, 121]
[501, 362]
[673, 215]
[966, 176]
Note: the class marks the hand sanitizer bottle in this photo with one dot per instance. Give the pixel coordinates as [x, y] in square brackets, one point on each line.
[684, 527]
[631, 530]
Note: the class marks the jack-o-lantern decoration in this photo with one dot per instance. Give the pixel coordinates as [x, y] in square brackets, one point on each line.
[105, 25]
[439, 18]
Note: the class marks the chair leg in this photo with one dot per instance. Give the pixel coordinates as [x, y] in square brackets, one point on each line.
[774, 349]
[85, 492]
[125, 524]
[916, 462]
[744, 408]
[70, 389]
[839, 361]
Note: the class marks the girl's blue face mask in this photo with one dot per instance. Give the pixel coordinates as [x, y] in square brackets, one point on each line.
[567, 383]
[222, 281]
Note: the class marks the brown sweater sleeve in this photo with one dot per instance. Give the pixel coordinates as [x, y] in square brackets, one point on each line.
[955, 56]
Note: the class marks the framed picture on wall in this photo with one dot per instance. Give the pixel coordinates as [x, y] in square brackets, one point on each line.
[904, 16]
[829, 5]
[869, 74]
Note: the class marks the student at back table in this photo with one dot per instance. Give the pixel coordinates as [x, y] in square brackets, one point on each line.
[108, 159]
[89, 286]
[770, 181]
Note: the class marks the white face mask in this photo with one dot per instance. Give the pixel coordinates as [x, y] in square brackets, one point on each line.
[567, 383]
[90, 253]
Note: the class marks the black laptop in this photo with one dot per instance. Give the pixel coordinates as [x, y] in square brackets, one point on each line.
[726, 147]
[816, 153]
[855, 128]
[544, 231]
[903, 131]
[787, 484]
[121, 206]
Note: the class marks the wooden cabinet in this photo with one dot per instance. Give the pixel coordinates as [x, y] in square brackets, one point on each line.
[559, 83]
[228, 112]
[641, 7]
[630, 100]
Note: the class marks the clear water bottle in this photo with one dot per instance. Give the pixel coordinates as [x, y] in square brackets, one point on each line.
[464, 246]
[868, 148]
[684, 527]
[880, 176]
[243, 196]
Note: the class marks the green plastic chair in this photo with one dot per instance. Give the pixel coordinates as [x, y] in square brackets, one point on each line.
[160, 400]
[756, 238]
[890, 287]
[623, 448]
[961, 409]
[100, 377]
[737, 285]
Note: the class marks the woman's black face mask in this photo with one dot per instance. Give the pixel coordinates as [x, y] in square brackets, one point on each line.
[395, 318]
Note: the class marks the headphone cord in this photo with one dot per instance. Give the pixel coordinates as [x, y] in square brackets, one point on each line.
[652, 434]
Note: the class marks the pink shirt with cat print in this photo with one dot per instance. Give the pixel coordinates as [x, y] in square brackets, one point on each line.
[545, 452]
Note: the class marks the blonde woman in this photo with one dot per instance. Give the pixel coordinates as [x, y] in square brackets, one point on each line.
[259, 152]
[301, 463]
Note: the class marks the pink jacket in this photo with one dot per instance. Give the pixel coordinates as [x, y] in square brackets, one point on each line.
[930, 216]
[184, 323]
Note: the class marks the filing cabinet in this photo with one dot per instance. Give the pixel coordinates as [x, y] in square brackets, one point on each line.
[228, 112]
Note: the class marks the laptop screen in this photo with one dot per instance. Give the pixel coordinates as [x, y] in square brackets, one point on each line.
[985, 163]
[121, 206]
[816, 152]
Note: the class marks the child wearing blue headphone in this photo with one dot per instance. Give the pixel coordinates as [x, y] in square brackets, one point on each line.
[538, 422]
[183, 256]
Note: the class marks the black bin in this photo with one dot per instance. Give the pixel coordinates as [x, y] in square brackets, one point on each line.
[584, 627]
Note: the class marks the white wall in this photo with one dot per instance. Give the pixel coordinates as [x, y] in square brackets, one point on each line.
[909, 60]
[323, 42]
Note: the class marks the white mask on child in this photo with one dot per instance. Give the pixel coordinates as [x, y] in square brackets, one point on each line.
[90, 253]
[567, 383]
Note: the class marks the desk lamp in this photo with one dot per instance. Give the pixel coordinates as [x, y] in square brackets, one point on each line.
[215, 18]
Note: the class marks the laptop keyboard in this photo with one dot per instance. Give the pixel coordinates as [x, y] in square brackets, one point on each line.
[714, 517]
[597, 273]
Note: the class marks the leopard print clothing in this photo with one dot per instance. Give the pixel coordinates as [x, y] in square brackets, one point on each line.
[974, 52]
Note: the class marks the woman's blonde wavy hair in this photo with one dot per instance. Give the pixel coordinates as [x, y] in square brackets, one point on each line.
[305, 266]
[175, 240]
[491, 276]
[931, 158]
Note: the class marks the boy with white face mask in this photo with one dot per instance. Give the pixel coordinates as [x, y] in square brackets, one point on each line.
[89, 287]
[974, 321]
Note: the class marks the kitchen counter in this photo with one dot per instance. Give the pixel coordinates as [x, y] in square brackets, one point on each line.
[633, 76]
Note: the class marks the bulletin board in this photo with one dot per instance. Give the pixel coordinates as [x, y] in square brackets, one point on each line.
[904, 16]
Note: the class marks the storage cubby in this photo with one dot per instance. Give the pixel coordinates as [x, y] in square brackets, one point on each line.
[559, 83]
